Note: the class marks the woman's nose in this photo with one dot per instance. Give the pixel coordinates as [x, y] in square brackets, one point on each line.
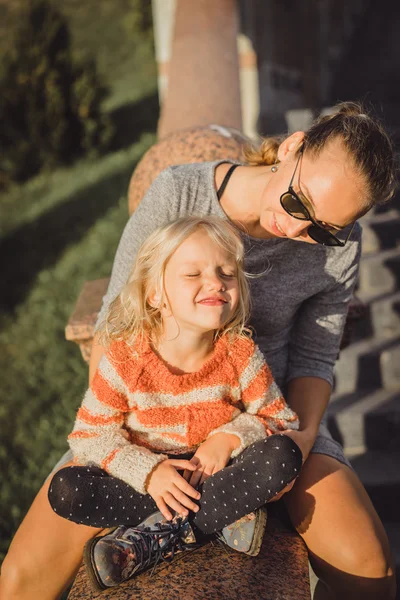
[295, 227]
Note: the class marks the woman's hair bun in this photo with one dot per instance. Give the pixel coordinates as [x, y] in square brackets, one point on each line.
[351, 109]
[265, 154]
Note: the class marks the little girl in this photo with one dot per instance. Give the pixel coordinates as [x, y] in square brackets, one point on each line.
[181, 413]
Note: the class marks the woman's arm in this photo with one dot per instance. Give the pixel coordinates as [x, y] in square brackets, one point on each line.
[318, 328]
[314, 346]
[308, 397]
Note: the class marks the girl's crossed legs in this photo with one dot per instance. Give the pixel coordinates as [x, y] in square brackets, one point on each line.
[88, 495]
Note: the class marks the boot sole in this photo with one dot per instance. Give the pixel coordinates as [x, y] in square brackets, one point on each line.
[259, 530]
[96, 584]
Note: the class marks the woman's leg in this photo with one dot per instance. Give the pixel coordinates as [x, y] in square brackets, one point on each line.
[44, 555]
[348, 546]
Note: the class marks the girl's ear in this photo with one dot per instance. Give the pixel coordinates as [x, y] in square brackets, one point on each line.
[155, 299]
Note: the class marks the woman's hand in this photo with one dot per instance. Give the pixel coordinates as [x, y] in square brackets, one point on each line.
[211, 456]
[168, 488]
[305, 442]
[304, 439]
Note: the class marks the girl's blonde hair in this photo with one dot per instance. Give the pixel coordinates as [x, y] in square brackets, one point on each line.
[133, 314]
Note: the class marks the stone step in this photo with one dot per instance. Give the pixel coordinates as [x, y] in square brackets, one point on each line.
[393, 533]
[380, 473]
[361, 421]
[369, 364]
[381, 230]
[394, 203]
[380, 272]
[382, 318]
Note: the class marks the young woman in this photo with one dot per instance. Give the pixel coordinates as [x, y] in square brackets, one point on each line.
[181, 388]
[288, 199]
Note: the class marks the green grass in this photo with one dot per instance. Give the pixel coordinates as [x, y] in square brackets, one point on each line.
[44, 376]
[57, 231]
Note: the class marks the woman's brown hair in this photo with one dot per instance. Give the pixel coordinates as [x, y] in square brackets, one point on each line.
[364, 138]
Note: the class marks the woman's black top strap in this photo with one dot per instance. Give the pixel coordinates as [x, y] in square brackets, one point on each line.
[225, 181]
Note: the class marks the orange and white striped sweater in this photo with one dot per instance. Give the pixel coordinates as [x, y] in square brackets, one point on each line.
[136, 409]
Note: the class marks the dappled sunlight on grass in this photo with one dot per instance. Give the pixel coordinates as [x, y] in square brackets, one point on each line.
[57, 231]
[43, 375]
[41, 241]
[23, 204]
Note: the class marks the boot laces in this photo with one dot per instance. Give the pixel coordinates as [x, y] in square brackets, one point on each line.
[154, 544]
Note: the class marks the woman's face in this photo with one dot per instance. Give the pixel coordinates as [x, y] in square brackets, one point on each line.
[331, 188]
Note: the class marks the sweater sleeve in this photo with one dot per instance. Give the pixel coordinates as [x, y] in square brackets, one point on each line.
[265, 410]
[316, 335]
[157, 208]
[99, 436]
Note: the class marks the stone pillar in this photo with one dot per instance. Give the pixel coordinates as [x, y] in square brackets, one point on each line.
[163, 23]
[203, 74]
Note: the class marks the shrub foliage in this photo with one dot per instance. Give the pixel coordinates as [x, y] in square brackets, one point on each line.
[50, 102]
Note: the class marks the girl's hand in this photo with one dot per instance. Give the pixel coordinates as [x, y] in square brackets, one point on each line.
[167, 487]
[211, 456]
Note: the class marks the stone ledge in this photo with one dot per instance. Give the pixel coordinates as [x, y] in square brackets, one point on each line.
[80, 327]
[280, 572]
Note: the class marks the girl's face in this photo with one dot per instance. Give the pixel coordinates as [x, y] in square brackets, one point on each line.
[333, 191]
[201, 289]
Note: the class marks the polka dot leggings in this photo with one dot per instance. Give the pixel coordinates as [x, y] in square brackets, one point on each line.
[89, 496]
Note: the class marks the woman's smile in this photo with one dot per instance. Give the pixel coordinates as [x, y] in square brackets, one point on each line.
[276, 230]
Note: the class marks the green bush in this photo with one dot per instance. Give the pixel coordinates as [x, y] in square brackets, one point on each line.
[50, 105]
[138, 19]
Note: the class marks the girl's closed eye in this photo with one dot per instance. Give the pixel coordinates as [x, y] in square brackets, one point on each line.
[229, 275]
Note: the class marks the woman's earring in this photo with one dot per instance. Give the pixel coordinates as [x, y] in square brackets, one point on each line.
[274, 169]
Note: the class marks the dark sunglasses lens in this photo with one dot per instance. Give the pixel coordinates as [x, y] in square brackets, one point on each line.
[321, 236]
[294, 207]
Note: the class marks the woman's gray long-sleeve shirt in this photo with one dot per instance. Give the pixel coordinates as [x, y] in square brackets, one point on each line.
[299, 302]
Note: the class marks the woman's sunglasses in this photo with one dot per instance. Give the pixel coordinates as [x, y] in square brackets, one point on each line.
[295, 207]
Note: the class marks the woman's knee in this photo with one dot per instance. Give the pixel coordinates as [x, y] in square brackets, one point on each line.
[370, 563]
[345, 537]
[16, 576]
[361, 576]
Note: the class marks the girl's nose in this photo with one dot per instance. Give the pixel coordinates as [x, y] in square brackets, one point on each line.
[214, 283]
